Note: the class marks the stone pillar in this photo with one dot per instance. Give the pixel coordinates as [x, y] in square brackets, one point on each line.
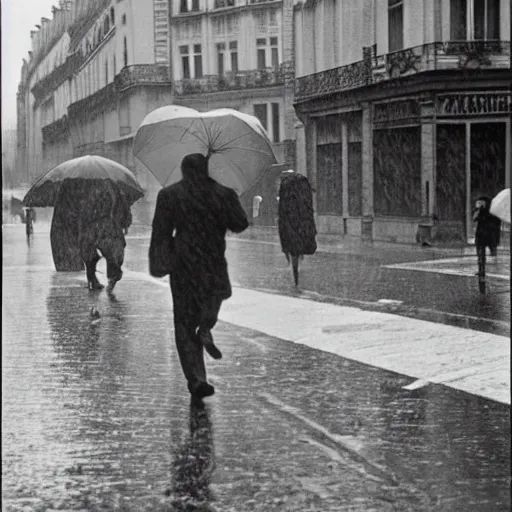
[288, 64]
[344, 167]
[310, 131]
[367, 172]
[367, 158]
[428, 149]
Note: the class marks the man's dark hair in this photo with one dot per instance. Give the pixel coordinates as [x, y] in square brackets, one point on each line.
[195, 162]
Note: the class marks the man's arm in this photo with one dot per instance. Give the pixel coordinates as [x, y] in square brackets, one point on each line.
[162, 242]
[236, 218]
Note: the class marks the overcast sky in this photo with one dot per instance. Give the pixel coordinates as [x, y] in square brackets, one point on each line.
[18, 18]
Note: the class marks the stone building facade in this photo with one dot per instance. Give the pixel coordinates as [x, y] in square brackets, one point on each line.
[98, 67]
[406, 117]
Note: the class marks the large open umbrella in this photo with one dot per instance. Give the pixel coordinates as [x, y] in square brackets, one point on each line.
[87, 168]
[500, 205]
[238, 147]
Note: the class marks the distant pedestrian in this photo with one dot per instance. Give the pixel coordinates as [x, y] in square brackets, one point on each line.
[297, 229]
[29, 221]
[487, 228]
[93, 218]
[188, 242]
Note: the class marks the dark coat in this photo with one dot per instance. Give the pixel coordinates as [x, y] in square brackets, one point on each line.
[86, 210]
[188, 237]
[297, 230]
[488, 226]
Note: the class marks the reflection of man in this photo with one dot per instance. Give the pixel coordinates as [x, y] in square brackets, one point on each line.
[188, 242]
[193, 463]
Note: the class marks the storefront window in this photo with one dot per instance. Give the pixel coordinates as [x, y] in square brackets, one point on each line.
[329, 166]
[397, 171]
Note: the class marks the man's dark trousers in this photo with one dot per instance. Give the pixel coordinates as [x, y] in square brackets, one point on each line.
[191, 313]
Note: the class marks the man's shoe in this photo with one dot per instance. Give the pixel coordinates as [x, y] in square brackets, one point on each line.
[206, 338]
[95, 285]
[202, 390]
[111, 284]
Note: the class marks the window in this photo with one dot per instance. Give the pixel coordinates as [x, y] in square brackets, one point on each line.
[272, 19]
[125, 52]
[106, 24]
[223, 3]
[260, 18]
[274, 52]
[219, 25]
[198, 61]
[184, 62]
[260, 111]
[232, 24]
[234, 55]
[395, 25]
[106, 72]
[112, 16]
[220, 58]
[183, 6]
[124, 19]
[474, 19]
[196, 27]
[262, 51]
[275, 122]
[195, 5]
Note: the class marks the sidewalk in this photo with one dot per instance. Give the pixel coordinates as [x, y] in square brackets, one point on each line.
[353, 244]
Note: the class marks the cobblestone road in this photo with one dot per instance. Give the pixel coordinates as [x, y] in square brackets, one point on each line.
[96, 415]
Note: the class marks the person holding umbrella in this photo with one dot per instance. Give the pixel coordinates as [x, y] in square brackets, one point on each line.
[194, 211]
[190, 223]
[92, 196]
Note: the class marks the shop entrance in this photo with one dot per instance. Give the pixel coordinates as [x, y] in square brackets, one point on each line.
[471, 162]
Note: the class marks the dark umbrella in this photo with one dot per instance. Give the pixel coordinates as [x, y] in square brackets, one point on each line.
[87, 168]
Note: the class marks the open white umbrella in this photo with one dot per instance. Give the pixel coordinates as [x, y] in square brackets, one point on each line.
[500, 205]
[238, 147]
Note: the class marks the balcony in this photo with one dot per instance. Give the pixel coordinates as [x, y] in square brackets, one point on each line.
[58, 76]
[232, 81]
[142, 74]
[58, 130]
[450, 55]
[93, 104]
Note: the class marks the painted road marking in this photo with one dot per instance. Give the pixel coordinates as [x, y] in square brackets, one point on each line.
[464, 359]
[464, 266]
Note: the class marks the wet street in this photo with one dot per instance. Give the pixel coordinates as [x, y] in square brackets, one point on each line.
[326, 399]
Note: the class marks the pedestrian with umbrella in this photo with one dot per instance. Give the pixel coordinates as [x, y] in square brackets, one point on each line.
[92, 196]
[203, 160]
[296, 221]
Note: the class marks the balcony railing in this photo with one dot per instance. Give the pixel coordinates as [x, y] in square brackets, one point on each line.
[232, 81]
[59, 75]
[411, 61]
[142, 74]
[94, 103]
[55, 131]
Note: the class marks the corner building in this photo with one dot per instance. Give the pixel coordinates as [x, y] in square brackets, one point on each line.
[405, 112]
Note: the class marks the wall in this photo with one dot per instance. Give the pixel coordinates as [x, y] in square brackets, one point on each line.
[142, 38]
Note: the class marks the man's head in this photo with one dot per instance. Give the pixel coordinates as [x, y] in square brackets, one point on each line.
[194, 166]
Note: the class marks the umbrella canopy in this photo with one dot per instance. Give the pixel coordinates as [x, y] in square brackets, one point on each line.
[87, 168]
[500, 205]
[238, 147]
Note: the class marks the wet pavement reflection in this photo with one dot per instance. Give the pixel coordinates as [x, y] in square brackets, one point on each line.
[96, 414]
